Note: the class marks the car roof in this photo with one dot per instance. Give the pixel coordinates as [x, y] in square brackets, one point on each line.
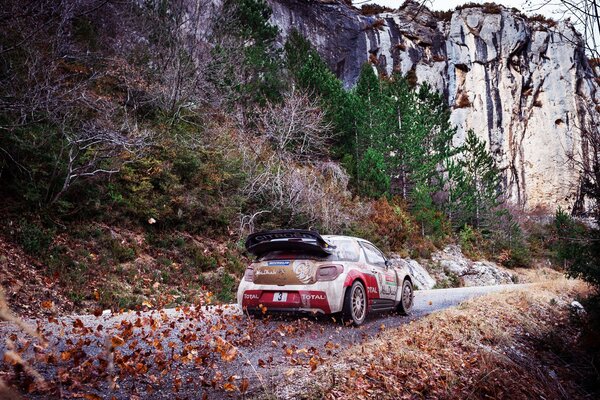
[342, 237]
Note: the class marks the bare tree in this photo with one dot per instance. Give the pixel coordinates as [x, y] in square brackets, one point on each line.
[285, 160]
[296, 126]
[584, 14]
[57, 124]
[94, 151]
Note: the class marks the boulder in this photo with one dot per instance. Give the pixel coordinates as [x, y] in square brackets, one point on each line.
[421, 278]
[452, 262]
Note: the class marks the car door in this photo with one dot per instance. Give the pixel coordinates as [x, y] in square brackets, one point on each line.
[386, 277]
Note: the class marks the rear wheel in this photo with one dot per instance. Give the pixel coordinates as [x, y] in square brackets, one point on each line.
[406, 299]
[355, 304]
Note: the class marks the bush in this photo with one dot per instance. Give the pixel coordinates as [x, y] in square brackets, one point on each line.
[227, 292]
[393, 224]
[577, 247]
[34, 238]
[506, 240]
[470, 241]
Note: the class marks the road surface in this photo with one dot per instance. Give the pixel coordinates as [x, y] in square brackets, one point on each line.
[188, 353]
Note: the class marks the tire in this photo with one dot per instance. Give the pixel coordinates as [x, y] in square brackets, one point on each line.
[355, 304]
[406, 298]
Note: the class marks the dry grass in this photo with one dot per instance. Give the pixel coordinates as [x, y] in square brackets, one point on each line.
[473, 351]
[538, 273]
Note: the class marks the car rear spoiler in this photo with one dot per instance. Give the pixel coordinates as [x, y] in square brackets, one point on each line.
[288, 239]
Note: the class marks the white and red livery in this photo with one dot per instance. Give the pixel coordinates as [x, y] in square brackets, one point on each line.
[302, 271]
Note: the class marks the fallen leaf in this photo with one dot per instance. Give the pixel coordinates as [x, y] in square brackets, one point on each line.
[117, 341]
[244, 385]
[47, 304]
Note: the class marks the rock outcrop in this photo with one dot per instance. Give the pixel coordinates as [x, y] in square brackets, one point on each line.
[421, 278]
[523, 86]
[452, 263]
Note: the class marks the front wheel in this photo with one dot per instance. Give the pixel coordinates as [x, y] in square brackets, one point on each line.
[355, 304]
[406, 299]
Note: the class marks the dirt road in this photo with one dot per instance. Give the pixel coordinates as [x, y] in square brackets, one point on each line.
[189, 352]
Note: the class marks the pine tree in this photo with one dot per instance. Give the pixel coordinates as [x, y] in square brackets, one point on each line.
[342, 107]
[475, 190]
[374, 131]
[247, 63]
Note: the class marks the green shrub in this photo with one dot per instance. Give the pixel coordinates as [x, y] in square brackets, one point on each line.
[122, 253]
[227, 292]
[577, 248]
[198, 261]
[506, 240]
[471, 242]
[34, 238]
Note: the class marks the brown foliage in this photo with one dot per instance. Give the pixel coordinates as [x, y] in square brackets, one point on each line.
[373, 59]
[462, 101]
[549, 22]
[393, 224]
[373, 9]
[489, 8]
[473, 351]
[377, 24]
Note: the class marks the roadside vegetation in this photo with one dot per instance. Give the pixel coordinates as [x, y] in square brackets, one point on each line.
[136, 155]
[474, 351]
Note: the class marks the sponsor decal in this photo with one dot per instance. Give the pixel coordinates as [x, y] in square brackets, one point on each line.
[251, 298]
[259, 272]
[283, 235]
[386, 286]
[372, 290]
[278, 263]
[303, 271]
[313, 297]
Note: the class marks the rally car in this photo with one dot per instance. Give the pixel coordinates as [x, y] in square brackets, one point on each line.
[302, 271]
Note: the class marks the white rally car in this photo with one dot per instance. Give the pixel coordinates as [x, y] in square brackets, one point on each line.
[302, 271]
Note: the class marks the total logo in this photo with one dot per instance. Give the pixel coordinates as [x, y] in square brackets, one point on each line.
[372, 290]
[313, 297]
[251, 296]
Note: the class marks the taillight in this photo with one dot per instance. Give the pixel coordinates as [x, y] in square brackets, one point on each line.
[249, 274]
[329, 272]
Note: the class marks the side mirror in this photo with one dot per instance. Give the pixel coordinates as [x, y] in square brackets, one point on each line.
[388, 263]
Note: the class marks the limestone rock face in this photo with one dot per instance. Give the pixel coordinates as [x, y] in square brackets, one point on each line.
[421, 278]
[524, 87]
[452, 262]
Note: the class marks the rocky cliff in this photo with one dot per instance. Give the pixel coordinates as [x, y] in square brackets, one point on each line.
[524, 86]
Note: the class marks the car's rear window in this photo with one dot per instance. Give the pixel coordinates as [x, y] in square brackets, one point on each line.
[343, 250]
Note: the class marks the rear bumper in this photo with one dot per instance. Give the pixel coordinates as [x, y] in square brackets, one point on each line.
[321, 297]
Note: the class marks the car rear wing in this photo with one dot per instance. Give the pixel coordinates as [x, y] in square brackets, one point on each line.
[288, 240]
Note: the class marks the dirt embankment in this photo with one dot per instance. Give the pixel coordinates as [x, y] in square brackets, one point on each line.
[517, 345]
[30, 291]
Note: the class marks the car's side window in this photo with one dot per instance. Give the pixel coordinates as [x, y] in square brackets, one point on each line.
[373, 255]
